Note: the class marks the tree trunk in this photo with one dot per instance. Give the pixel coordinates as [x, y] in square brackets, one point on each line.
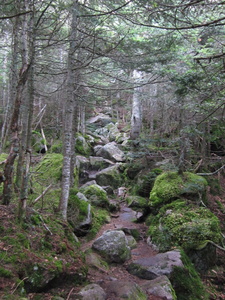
[68, 130]
[136, 117]
[13, 81]
[14, 148]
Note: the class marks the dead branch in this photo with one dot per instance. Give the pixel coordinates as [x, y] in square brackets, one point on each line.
[40, 196]
[210, 174]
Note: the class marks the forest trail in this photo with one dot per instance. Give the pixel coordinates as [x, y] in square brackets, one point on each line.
[124, 219]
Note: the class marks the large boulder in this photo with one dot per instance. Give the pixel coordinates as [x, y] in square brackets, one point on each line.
[96, 195]
[171, 185]
[99, 163]
[154, 266]
[82, 162]
[110, 176]
[100, 120]
[126, 290]
[110, 151]
[182, 224]
[160, 287]
[113, 245]
[91, 292]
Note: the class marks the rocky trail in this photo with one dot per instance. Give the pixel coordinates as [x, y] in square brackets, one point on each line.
[124, 220]
[122, 262]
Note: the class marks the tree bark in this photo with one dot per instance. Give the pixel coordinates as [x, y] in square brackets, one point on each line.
[136, 117]
[68, 130]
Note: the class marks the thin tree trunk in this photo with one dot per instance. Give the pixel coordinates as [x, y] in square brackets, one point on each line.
[14, 149]
[136, 118]
[13, 81]
[68, 145]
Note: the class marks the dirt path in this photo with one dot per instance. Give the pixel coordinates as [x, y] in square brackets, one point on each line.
[124, 219]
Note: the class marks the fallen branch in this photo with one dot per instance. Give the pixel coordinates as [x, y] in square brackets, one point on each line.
[68, 297]
[45, 226]
[44, 192]
[18, 285]
[210, 174]
[217, 246]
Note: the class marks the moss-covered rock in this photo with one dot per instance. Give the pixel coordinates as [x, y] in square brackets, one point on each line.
[187, 283]
[79, 213]
[136, 202]
[96, 195]
[110, 176]
[81, 146]
[183, 224]
[170, 186]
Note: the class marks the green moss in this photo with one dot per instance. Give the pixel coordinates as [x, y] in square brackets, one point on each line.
[5, 273]
[100, 217]
[137, 202]
[50, 168]
[186, 281]
[170, 186]
[57, 147]
[96, 195]
[77, 209]
[48, 171]
[81, 146]
[183, 224]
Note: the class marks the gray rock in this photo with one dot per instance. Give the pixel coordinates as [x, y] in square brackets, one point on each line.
[126, 290]
[110, 131]
[160, 287]
[110, 151]
[155, 266]
[82, 162]
[82, 197]
[109, 176]
[113, 245]
[100, 120]
[131, 242]
[98, 163]
[87, 184]
[92, 292]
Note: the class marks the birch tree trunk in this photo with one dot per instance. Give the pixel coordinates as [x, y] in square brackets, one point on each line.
[68, 129]
[136, 117]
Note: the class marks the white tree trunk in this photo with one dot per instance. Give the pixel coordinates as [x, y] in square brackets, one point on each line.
[136, 117]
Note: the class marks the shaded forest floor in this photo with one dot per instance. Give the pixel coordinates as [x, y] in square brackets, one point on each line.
[22, 255]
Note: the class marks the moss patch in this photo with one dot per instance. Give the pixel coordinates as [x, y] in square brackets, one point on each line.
[187, 283]
[34, 256]
[99, 218]
[170, 186]
[77, 209]
[96, 195]
[183, 224]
